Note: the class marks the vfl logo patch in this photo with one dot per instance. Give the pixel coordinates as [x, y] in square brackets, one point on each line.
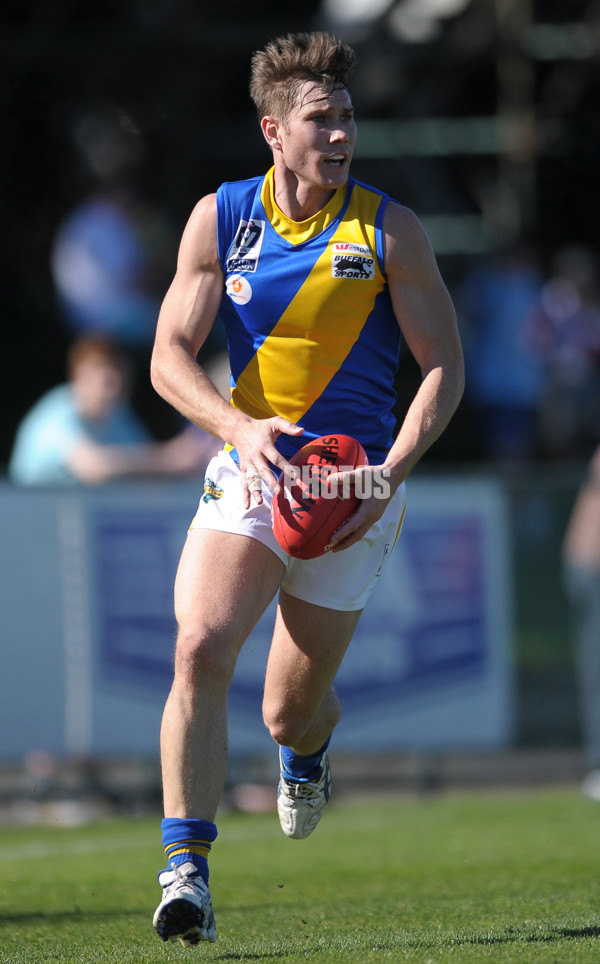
[211, 490]
[352, 261]
[243, 253]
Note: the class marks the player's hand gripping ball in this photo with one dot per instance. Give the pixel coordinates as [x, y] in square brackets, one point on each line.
[306, 512]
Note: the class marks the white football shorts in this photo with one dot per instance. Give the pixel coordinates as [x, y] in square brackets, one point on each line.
[337, 580]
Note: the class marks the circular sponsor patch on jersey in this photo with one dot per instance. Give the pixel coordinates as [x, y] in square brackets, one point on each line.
[239, 289]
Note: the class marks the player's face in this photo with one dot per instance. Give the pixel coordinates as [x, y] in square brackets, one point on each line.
[318, 138]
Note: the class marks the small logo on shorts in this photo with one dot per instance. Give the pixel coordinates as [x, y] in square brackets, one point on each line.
[386, 551]
[211, 490]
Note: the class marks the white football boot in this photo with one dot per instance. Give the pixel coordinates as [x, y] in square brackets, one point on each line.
[301, 805]
[185, 913]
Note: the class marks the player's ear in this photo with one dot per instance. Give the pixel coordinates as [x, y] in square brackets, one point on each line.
[270, 127]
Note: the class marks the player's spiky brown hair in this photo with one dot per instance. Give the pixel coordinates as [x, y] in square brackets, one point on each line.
[286, 62]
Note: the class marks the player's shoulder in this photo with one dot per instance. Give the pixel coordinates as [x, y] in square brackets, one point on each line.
[198, 242]
[234, 193]
[204, 209]
[228, 194]
[397, 218]
[401, 221]
[406, 241]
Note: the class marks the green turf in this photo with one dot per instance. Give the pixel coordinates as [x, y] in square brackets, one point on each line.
[478, 877]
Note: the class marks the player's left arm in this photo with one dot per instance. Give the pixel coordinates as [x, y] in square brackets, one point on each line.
[427, 319]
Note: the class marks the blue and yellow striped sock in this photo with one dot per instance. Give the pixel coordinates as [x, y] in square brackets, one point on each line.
[188, 839]
[301, 768]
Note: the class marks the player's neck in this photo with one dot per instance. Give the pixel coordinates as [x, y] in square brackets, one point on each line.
[299, 200]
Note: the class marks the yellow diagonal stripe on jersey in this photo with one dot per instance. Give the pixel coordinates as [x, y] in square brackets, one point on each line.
[307, 346]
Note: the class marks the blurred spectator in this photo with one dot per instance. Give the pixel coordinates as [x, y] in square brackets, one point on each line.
[106, 265]
[86, 431]
[581, 554]
[566, 330]
[113, 253]
[504, 375]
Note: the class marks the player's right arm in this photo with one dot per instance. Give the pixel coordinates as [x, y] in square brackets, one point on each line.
[186, 317]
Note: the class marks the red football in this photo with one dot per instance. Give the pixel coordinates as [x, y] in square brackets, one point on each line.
[305, 512]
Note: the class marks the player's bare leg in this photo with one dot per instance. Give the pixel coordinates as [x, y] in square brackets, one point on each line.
[223, 585]
[300, 706]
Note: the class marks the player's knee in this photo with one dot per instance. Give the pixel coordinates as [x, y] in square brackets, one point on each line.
[290, 725]
[288, 732]
[284, 723]
[203, 655]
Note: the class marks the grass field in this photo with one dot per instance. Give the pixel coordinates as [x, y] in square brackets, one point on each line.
[472, 877]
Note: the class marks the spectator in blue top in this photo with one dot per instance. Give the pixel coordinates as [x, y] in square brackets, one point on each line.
[505, 371]
[86, 430]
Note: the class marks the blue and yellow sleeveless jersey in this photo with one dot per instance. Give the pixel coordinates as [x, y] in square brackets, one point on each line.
[311, 331]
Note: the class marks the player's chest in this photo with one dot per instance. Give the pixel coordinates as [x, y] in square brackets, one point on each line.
[265, 273]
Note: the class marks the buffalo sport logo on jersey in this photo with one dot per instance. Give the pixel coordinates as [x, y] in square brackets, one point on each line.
[352, 261]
